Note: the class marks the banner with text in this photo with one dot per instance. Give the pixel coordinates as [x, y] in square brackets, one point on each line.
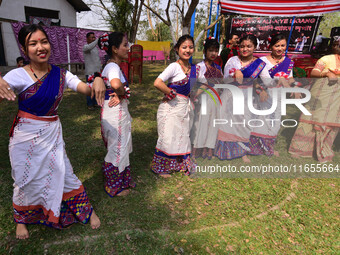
[303, 35]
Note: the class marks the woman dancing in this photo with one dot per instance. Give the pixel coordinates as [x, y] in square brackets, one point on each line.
[46, 191]
[115, 117]
[203, 133]
[315, 134]
[173, 147]
[233, 140]
[277, 73]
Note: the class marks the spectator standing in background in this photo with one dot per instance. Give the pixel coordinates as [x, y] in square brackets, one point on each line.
[92, 62]
[230, 50]
[318, 41]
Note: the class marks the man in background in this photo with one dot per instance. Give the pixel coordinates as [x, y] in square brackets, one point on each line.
[92, 62]
[230, 50]
[318, 41]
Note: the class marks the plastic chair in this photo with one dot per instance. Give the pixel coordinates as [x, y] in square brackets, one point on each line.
[136, 62]
[124, 65]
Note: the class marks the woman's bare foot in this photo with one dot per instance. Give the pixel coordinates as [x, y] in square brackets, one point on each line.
[22, 232]
[246, 159]
[123, 193]
[165, 175]
[94, 221]
[276, 153]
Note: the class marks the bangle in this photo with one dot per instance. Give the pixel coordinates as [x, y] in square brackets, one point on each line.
[171, 95]
[127, 93]
[92, 77]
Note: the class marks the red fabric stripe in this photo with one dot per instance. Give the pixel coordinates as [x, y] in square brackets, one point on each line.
[293, 12]
[282, 1]
[278, 14]
[279, 8]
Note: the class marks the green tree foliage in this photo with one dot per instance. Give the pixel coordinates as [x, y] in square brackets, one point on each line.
[329, 20]
[121, 15]
[163, 33]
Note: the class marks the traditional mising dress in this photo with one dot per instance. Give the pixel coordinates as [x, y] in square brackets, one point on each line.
[203, 133]
[46, 191]
[263, 138]
[316, 133]
[173, 147]
[233, 139]
[116, 133]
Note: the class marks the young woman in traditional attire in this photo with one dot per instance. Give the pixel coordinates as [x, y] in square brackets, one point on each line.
[115, 117]
[46, 191]
[278, 73]
[233, 140]
[173, 147]
[315, 134]
[203, 133]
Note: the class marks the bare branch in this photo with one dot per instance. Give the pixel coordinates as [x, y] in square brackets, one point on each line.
[106, 9]
[150, 20]
[187, 17]
[214, 23]
[167, 13]
[166, 22]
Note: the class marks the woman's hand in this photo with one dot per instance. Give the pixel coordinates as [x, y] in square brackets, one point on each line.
[114, 99]
[332, 78]
[98, 90]
[5, 91]
[263, 95]
[239, 76]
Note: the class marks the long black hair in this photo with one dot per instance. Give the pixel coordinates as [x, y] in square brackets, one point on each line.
[114, 39]
[26, 32]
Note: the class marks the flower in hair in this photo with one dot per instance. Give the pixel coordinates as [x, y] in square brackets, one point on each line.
[104, 41]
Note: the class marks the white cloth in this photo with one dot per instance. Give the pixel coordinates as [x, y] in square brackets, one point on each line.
[116, 125]
[172, 73]
[91, 58]
[231, 66]
[203, 133]
[234, 130]
[19, 80]
[113, 71]
[41, 170]
[173, 125]
[271, 123]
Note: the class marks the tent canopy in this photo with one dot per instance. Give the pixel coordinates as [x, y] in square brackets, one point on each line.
[279, 8]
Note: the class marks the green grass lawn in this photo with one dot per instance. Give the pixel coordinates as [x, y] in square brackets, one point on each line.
[180, 215]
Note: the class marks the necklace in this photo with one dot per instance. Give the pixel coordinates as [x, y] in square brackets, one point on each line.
[188, 67]
[245, 62]
[48, 70]
[276, 60]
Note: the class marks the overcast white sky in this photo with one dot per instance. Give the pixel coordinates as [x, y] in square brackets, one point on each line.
[93, 21]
